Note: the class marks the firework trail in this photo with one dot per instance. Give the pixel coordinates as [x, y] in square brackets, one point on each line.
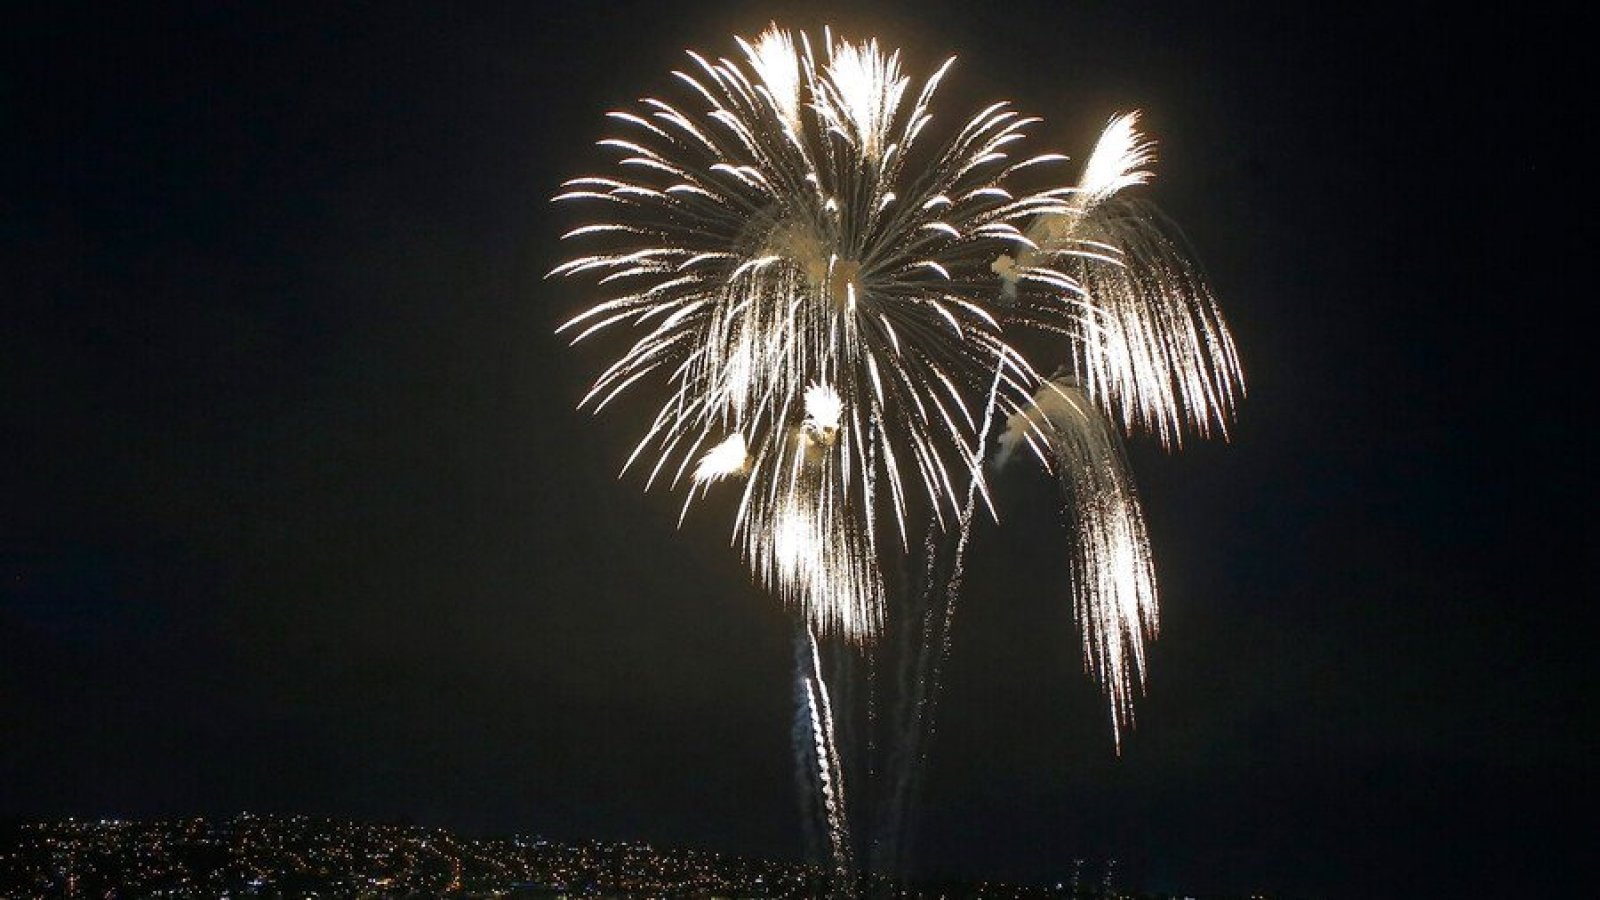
[808, 765]
[833, 291]
[918, 647]
[920, 687]
[819, 758]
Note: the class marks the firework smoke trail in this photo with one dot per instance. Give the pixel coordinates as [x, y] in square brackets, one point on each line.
[917, 642]
[920, 696]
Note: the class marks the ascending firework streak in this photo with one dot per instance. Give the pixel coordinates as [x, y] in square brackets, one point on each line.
[818, 762]
[836, 306]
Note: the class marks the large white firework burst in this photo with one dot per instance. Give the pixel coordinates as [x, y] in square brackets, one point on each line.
[835, 300]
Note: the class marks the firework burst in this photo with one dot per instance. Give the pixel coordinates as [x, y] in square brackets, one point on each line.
[833, 291]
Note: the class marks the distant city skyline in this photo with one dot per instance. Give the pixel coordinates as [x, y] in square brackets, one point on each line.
[311, 856]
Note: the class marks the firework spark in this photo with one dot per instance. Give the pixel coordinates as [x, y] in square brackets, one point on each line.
[835, 302]
[727, 458]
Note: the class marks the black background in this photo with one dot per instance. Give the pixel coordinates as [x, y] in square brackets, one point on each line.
[296, 514]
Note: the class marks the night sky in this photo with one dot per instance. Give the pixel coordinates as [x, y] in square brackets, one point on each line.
[296, 514]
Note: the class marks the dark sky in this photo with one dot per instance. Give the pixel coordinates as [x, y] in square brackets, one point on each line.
[296, 514]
